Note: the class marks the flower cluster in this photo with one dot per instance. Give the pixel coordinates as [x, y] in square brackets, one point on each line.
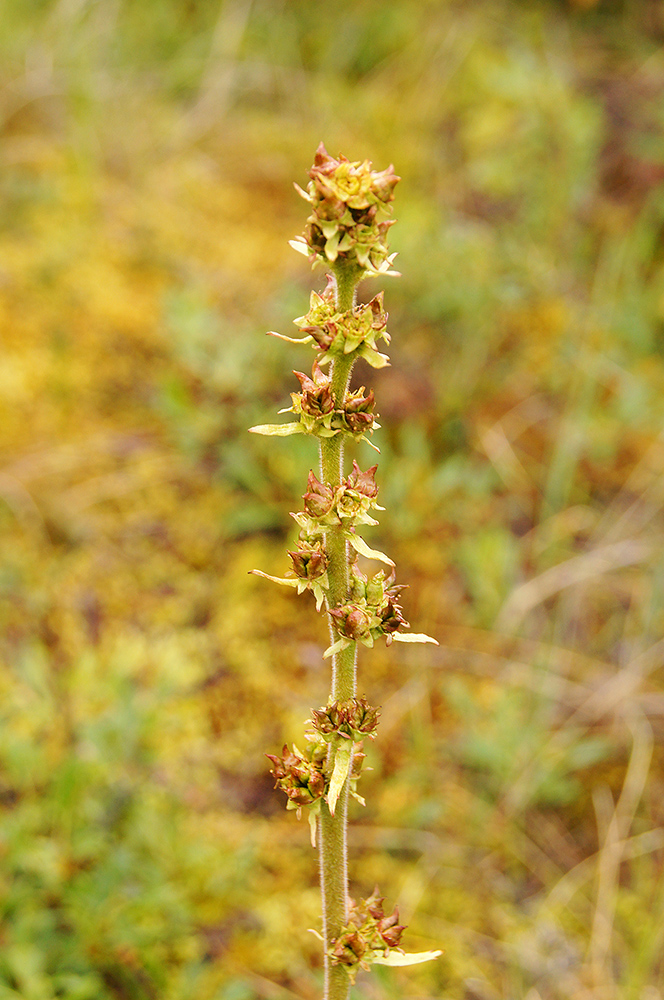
[354, 720]
[347, 505]
[308, 778]
[335, 333]
[347, 231]
[350, 213]
[368, 935]
[371, 613]
[321, 416]
[301, 777]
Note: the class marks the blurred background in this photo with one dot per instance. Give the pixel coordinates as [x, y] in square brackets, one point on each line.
[515, 811]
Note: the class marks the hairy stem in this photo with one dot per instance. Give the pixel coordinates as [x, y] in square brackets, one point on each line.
[333, 829]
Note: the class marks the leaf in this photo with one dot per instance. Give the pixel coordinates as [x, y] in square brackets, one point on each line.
[376, 359]
[300, 246]
[291, 340]
[303, 193]
[313, 822]
[331, 247]
[278, 430]
[398, 958]
[370, 443]
[413, 637]
[319, 593]
[342, 761]
[275, 579]
[336, 648]
[361, 546]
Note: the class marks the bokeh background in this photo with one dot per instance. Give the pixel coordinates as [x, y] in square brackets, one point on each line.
[515, 811]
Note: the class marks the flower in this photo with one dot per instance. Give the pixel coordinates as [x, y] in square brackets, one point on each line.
[352, 621]
[363, 482]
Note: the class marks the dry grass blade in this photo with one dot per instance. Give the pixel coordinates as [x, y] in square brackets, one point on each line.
[573, 571]
[612, 853]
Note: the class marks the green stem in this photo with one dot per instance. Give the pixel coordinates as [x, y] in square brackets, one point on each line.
[333, 829]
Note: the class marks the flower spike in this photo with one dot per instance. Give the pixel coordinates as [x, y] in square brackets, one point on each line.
[350, 208]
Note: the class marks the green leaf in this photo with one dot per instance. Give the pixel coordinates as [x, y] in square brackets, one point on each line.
[361, 546]
[413, 637]
[277, 430]
[342, 762]
[275, 579]
[376, 359]
[291, 340]
[336, 648]
[300, 246]
[398, 958]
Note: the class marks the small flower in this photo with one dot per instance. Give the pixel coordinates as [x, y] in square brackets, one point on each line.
[348, 949]
[390, 929]
[391, 617]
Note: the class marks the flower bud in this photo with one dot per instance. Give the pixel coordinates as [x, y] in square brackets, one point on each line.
[391, 617]
[358, 584]
[356, 763]
[363, 482]
[390, 929]
[375, 589]
[351, 621]
[309, 561]
[358, 409]
[316, 392]
[348, 948]
[363, 718]
[374, 904]
[319, 498]
[384, 183]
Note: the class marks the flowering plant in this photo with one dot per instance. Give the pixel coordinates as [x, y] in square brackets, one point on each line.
[347, 232]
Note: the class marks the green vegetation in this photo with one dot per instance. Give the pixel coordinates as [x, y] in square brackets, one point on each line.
[515, 808]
